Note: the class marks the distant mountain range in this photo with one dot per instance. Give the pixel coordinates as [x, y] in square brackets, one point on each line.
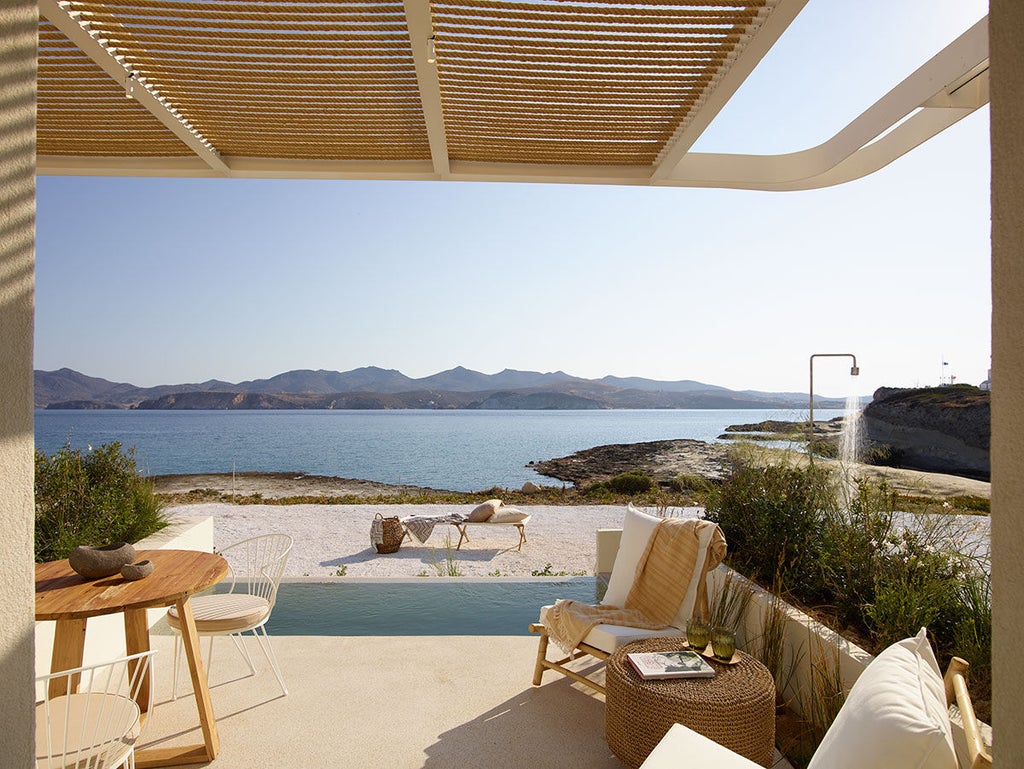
[376, 388]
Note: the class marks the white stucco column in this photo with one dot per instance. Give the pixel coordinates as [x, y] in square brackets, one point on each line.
[1006, 28]
[18, 23]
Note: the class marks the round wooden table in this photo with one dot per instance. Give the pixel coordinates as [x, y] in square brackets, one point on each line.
[68, 598]
[736, 708]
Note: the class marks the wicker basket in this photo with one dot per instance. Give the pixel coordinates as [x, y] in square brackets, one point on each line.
[392, 534]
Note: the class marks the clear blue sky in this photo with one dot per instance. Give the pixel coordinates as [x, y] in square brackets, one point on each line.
[155, 281]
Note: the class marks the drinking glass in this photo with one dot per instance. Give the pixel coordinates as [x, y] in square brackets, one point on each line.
[723, 642]
[698, 633]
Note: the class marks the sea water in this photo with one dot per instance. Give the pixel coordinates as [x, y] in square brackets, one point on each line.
[455, 450]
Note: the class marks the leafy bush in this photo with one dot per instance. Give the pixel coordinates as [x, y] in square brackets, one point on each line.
[773, 518]
[691, 482]
[821, 447]
[878, 572]
[633, 482]
[91, 498]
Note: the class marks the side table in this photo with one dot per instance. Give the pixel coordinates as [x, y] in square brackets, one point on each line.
[736, 708]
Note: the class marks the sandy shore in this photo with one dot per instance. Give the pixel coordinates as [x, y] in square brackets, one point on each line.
[333, 537]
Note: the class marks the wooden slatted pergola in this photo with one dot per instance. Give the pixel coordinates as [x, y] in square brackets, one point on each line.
[608, 91]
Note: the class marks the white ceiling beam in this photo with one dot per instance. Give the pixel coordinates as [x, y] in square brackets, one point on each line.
[719, 94]
[951, 85]
[106, 60]
[421, 33]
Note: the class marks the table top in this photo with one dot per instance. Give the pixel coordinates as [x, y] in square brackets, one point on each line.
[61, 593]
[732, 684]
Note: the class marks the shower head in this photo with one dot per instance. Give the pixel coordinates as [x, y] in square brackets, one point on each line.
[854, 371]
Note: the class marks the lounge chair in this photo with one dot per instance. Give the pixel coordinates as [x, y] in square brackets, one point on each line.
[491, 513]
[519, 524]
[897, 714]
[603, 639]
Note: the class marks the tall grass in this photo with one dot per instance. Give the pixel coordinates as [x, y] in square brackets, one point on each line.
[448, 565]
[91, 498]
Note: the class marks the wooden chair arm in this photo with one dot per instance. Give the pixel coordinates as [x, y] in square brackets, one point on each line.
[956, 691]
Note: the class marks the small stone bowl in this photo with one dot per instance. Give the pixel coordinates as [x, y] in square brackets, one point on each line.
[133, 571]
[97, 562]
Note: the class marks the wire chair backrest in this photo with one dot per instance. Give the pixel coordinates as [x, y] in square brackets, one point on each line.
[87, 717]
[258, 564]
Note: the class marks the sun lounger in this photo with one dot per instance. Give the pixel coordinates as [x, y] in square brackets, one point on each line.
[464, 537]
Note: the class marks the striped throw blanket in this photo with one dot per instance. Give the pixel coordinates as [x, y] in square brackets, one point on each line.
[663, 582]
[422, 526]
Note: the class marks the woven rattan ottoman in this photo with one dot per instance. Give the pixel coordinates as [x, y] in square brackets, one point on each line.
[736, 708]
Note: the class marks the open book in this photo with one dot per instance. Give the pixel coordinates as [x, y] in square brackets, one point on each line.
[681, 664]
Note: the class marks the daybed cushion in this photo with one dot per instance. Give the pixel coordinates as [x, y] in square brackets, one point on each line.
[895, 715]
[482, 512]
[608, 638]
[508, 515]
[637, 529]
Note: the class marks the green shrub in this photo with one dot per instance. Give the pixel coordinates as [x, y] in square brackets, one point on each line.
[91, 498]
[691, 482]
[633, 482]
[773, 518]
[838, 548]
[821, 447]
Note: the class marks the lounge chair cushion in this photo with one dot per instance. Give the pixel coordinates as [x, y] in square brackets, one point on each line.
[508, 515]
[637, 529]
[895, 715]
[484, 511]
[608, 638]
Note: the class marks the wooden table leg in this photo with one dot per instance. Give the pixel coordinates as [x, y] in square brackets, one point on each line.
[522, 535]
[68, 651]
[189, 754]
[136, 637]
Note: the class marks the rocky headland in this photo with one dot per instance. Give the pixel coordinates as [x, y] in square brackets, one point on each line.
[661, 460]
[935, 429]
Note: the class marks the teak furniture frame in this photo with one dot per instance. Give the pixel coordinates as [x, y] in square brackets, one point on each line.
[66, 597]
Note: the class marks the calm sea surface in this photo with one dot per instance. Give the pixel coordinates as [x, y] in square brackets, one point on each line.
[456, 450]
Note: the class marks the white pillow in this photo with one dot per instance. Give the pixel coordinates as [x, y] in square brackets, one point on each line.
[637, 529]
[508, 515]
[894, 716]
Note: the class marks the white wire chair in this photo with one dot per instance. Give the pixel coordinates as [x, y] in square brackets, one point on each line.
[87, 717]
[256, 565]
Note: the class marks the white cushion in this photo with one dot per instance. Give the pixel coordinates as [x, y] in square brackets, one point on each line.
[508, 515]
[637, 529]
[608, 638]
[894, 716]
[684, 747]
[483, 511]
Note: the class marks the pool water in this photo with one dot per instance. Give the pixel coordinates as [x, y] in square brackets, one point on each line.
[458, 606]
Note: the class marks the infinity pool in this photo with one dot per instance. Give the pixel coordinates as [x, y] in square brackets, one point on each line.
[457, 606]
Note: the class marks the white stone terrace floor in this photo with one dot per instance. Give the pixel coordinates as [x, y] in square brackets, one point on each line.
[435, 702]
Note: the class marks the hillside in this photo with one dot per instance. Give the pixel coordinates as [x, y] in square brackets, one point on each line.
[371, 387]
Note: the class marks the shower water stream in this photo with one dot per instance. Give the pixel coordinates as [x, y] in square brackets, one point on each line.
[850, 439]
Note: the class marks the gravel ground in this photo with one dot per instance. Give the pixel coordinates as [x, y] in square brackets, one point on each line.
[332, 537]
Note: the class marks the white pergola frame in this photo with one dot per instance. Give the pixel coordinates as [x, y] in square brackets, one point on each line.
[947, 88]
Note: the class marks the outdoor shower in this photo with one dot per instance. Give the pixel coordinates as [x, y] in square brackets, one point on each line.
[854, 371]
